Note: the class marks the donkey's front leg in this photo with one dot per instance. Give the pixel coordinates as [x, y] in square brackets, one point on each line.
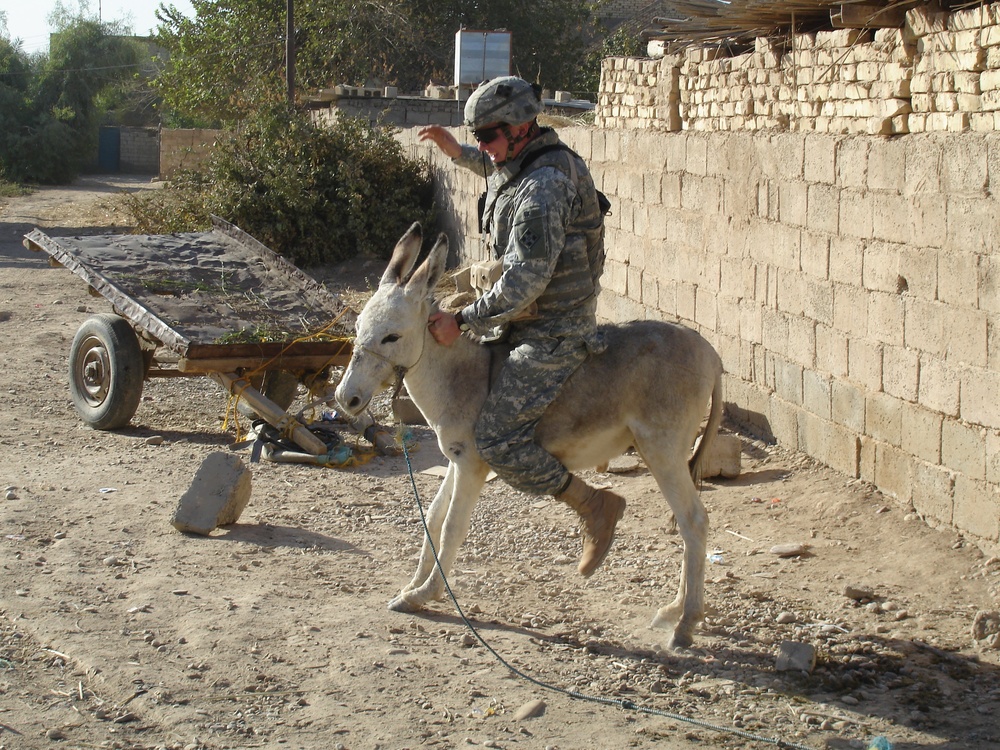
[448, 525]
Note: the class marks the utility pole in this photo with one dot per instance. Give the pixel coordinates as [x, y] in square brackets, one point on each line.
[290, 50]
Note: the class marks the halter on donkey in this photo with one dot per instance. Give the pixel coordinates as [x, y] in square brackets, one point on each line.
[664, 377]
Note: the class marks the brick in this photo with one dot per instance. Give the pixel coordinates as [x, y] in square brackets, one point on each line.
[856, 212]
[793, 203]
[977, 508]
[783, 420]
[852, 162]
[850, 310]
[918, 272]
[963, 448]
[921, 432]
[988, 283]
[864, 363]
[823, 208]
[963, 168]
[980, 397]
[970, 225]
[802, 341]
[883, 418]
[885, 317]
[890, 217]
[933, 491]
[848, 405]
[816, 390]
[887, 166]
[814, 254]
[929, 220]
[831, 351]
[971, 346]
[900, 372]
[818, 301]
[894, 471]
[820, 159]
[830, 443]
[939, 386]
[993, 456]
[788, 380]
[846, 260]
[924, 326]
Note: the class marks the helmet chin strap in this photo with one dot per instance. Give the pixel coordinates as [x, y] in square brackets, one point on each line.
[513, 140]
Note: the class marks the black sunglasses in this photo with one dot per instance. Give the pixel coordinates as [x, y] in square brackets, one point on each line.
[487, 135]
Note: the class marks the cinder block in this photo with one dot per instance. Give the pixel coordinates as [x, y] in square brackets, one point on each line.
[883, 418]
[848, 406]
[855, 214]
[831, 351]
[217, 496]
[970, 347]
[922, 432]
[816, 393]
[894, 471]
[793, 203]
[940, 386]
[723, 458]
[963, 448]
[864, 363]
[980, 397]
[900, 371]
[885, 317]
[846, 255]
[823, 213]
[977, 508]
[924, 326]
[933, 491]
[890, 217]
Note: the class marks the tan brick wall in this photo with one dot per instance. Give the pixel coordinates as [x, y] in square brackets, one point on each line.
[841, 278]
[184, 148]
[941, 72]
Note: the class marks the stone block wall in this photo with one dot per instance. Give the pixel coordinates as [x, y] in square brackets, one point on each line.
[139, 150]
[184, 148]
[941, 72]
[850, 283]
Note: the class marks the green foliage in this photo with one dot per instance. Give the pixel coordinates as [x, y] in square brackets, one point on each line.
[230, 58]
[50, 105]
[623, 42]
[313, 194]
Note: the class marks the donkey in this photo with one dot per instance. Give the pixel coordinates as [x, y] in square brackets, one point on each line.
[649, 389]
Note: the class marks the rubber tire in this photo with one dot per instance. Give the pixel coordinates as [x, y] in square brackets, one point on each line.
[106, 370]
[279, 386]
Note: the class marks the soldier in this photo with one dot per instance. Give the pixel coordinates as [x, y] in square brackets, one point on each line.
[543, 219]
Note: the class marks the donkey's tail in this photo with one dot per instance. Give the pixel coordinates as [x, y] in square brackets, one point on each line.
[704, 442]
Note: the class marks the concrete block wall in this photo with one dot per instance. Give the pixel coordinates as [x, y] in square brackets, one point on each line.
[139, 150]
[850, 283]
[184, 148]
[941, 72]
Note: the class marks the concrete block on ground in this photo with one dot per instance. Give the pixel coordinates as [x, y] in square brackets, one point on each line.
[795, 657]
[217, 496]
[723, 458]
[406, 412]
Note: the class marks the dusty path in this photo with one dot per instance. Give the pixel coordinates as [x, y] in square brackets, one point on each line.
[116, 631]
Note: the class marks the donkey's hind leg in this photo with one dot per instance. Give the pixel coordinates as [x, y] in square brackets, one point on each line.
[448, 525]
[669, 468]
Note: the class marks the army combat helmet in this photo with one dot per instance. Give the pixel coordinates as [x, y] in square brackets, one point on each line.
[508, 99]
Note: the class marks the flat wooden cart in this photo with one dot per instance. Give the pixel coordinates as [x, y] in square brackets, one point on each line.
[216, 303]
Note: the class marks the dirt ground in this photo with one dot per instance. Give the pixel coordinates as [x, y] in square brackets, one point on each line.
[116, 631]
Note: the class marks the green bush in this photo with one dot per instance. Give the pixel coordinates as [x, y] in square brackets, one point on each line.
[313, 194]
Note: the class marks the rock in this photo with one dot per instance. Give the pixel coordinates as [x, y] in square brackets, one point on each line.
[405, 411]
[986, 624]
[858, 593]
[723, 458]
[785, 618]
[530, 710]
[154, 440]
[795, 657]
[789, 549]
[624, 464]
[217, 495]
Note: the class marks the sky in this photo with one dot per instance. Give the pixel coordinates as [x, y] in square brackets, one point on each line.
[28, 20]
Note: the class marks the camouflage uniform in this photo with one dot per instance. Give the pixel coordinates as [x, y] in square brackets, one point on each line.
[547, 228]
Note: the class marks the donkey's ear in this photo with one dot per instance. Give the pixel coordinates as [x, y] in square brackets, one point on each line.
[425, 279]
[403, 256]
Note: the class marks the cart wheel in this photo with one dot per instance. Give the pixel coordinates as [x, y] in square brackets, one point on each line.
[106, 371]
[279, 386]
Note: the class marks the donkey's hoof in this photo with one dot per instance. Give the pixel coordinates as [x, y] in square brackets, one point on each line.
[680, 642]
[402, 604]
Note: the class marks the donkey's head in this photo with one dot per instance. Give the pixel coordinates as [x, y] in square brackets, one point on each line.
[392, 328]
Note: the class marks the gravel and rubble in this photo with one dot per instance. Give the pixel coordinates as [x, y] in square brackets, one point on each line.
[116, 631]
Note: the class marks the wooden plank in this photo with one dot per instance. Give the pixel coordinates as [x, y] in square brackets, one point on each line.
[290, 363]
[868, 16]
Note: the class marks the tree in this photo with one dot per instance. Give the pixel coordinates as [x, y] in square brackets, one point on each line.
[52, 105]
[229, 58]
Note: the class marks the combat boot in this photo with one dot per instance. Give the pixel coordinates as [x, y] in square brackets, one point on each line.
[600, 511]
